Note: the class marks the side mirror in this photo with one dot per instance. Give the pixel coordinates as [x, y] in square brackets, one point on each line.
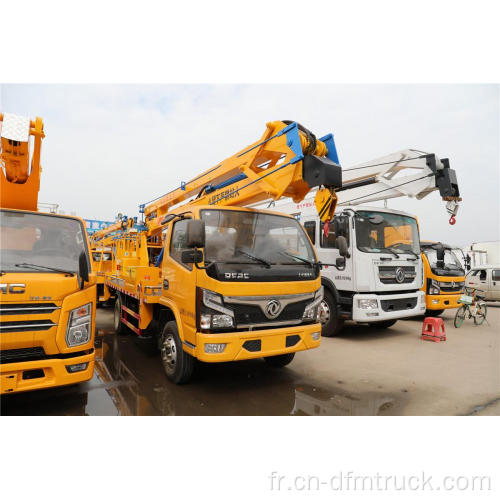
[195, 234]
[83, 268]
[342, 245]
[340, 262]
[192, 256]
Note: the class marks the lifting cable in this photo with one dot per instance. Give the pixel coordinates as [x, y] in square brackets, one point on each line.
[385, 163]
[387, 189]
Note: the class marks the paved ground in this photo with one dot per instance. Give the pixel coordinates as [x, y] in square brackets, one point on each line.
[364, 371]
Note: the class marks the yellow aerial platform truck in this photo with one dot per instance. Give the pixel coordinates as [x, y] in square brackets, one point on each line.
[47, 290]
[208, 278]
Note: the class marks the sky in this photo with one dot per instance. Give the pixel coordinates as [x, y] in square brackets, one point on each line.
[109, 148]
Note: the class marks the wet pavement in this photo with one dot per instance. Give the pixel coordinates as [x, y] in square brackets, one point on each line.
[339, 378]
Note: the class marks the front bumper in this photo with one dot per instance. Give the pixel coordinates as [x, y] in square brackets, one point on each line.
[54, 373]
[378, 314]
[442, 301]
[272, 342]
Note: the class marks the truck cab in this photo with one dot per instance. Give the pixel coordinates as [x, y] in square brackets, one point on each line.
[444, 277]
[381, 280]
[47, 301]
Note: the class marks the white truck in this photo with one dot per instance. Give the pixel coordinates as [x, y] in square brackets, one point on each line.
[372, 270]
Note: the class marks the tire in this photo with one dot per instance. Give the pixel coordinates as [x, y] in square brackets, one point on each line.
[479, 320]
[460, 316]
[120, 328]
[331, 324]
[434, 313]
[281, 360]
[177, 363]
[384, 324]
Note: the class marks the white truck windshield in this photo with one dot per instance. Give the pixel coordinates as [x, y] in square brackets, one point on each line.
[380, 232]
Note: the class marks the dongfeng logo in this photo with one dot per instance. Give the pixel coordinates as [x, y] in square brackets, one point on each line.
[272, 309]
[12, 288]
[400, 275]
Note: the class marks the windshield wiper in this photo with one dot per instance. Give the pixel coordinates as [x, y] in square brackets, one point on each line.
[298, 258]
[254, 257]
[390, 250]
[37, 266]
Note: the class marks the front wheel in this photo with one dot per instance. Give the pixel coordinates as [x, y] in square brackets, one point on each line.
[460, 316]
[280, 360]
[331, 324]
[177, 363]
[480, 314]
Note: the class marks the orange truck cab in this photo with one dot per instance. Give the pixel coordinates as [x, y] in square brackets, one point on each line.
[47, 290]
[444, 277]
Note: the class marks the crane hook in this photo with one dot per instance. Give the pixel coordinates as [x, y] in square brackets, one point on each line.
[452, 220]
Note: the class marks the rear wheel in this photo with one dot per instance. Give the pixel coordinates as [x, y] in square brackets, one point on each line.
[480, 314]
[177, 363]
[280, 360]
[434, 312]
[120, 328]
[331, 324]
[460, 316]
[384, 324]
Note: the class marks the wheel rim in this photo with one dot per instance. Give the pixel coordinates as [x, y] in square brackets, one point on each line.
[481, 316]
[324, 312]
[117, 315]
[169, 354]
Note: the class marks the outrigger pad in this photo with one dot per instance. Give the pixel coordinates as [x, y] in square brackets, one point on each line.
[321, 171]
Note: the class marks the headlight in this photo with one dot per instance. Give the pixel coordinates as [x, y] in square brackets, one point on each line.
[434, 288]
[78, 331]
[367, 303]
[311, 311]
[211, 303]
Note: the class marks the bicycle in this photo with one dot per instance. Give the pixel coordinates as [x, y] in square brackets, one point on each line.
[473, 305]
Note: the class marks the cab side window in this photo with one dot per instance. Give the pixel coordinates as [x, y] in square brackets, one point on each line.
[482, 275]
[178, 242]
[339, 226]
[310, 227]
[495, 275]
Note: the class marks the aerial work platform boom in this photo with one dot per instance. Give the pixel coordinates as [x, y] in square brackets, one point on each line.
[287, 161]
[19, 181]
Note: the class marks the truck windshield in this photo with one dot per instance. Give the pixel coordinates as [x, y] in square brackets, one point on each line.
[40, 240]
[450, 259]
[251, 237]
[380, 232]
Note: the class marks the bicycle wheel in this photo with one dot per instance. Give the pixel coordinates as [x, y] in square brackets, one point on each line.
[460, 316]
[480, 314]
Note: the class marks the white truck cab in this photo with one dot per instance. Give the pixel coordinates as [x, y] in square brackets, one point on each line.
[383, 273]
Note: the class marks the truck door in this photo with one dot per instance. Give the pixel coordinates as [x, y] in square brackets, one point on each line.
[328, 252]
[495, 284]
[179, 280]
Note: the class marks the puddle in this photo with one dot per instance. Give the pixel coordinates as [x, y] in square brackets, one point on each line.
[129, 380]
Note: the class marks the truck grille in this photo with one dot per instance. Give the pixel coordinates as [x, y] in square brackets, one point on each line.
[26, 354]
[248, 315]
[399, 304]
[396, 274]
[36, 325]
[452, 286]
[30, 308]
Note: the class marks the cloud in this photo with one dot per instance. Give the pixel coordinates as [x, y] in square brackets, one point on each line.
[111, 147]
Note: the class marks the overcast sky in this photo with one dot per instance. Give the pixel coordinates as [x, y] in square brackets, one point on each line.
[109, 148]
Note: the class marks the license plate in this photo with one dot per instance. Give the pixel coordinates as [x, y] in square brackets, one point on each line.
[8, 383]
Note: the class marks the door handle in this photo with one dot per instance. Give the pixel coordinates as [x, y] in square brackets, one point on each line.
[165, 284]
